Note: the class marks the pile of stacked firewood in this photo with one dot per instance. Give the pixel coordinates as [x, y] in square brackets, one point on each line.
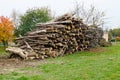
[63, 35]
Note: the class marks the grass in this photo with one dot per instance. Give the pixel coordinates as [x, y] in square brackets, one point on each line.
[102, 65]
[2, 51]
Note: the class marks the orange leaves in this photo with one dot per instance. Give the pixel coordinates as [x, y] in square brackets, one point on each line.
[6, 29]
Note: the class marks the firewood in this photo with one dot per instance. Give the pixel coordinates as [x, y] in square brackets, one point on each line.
[17, 51]
[63, 35]
[54, 23]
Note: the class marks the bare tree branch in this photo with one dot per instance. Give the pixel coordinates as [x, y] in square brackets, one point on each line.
[91, 15]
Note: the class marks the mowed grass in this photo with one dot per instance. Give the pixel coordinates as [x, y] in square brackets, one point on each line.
[2, 51]
[99, 65]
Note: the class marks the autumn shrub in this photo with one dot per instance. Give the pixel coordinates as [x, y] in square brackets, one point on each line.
[118, 38]
[6, 30]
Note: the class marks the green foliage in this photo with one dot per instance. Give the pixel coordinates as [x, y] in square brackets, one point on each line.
[115, 32]
[113, 40]
[31, 17]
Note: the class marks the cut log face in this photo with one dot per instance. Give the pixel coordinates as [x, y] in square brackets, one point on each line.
[63, 35]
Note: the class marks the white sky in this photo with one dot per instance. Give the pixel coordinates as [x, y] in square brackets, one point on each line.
[59, 7]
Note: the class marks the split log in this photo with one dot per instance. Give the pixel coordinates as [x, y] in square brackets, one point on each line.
[17, 51]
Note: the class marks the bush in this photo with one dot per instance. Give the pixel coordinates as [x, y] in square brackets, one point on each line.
[30, 18]
[103, 43]
[117, 38]
[112, 40]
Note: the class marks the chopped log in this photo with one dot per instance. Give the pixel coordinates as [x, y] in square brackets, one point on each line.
[17, 51]
[54, 23]
[64, 17]
[36, 32]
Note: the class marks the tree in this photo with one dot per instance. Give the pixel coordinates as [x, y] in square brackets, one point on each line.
[91, 15]
[6, 30]
[115, 32]
[31, 17]
[15, 18]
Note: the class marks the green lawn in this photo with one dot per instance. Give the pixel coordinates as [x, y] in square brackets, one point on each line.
[101, 65]
[2, 51]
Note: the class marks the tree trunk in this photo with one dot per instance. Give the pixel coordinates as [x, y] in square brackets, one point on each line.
[5, 43]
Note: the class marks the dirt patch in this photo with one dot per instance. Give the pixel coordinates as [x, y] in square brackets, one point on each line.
[98, 49]
[10, 65]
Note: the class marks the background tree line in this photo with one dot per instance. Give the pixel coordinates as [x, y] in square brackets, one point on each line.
[115, 32]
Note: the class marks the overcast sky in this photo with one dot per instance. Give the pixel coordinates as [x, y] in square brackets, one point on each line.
[58, 7]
